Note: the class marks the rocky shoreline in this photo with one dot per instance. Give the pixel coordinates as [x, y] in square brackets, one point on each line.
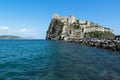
[113, 45]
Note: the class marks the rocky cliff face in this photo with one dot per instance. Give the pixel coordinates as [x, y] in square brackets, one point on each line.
[62, 28]
[55, 30]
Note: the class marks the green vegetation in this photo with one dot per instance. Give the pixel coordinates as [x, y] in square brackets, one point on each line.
[97, 25]
[59, 26]
[76, 25]
[59, 23]
[99, 35]
[56, 28]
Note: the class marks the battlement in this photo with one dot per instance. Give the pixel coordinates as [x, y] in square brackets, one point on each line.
[69, 20]
[85, 25]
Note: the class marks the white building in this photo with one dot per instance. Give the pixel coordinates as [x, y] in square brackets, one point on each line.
[71, 19]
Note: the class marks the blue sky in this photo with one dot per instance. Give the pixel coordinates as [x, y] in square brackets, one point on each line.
[31, 18]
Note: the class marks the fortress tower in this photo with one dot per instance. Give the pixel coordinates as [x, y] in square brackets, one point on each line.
[56, 16]
[71, 19]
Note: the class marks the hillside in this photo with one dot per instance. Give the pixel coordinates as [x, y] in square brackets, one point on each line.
[9, 37]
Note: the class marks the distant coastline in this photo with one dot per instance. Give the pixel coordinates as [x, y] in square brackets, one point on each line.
[13, 37]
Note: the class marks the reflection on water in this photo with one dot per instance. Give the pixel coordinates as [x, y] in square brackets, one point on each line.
[50, 60]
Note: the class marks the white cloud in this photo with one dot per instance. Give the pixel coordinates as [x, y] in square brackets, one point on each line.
[24, 30]
[33, 33]
[4, 28]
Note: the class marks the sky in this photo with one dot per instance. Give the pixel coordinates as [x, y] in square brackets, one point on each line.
[31, 18]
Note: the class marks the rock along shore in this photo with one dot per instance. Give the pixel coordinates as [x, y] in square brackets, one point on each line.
[113, 45]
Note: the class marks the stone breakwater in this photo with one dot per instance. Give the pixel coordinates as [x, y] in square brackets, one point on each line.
[113, 45]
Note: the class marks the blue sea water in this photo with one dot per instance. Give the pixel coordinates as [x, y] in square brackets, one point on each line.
[52, 60]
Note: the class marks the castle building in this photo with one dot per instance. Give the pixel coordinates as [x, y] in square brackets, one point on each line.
[85, 26]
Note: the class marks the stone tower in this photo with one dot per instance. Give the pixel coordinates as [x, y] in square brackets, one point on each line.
[71, 19]
[56, 16]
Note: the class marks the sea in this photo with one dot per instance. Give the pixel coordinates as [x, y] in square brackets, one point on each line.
[55, 60]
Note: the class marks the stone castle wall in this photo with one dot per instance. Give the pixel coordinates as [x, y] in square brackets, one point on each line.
[85, 27]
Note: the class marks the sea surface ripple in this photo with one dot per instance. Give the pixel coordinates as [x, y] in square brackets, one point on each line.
[52, 60]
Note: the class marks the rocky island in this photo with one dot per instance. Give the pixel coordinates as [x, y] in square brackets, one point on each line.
[70, 29]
